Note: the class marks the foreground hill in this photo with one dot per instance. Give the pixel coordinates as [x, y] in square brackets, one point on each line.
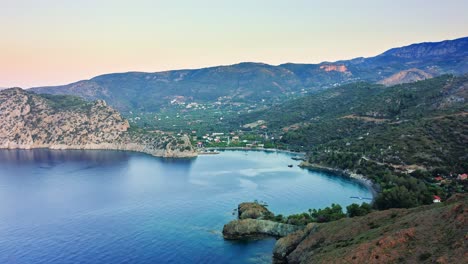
[30, 121]
[252, 82]
[427, 234]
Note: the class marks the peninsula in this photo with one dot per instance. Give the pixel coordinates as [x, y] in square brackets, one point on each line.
[29, 120]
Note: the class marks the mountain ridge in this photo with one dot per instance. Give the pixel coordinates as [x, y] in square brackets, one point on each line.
[253, 81]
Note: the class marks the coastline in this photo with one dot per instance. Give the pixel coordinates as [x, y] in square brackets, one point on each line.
[256, 149]
[163, 153]
[373, 188]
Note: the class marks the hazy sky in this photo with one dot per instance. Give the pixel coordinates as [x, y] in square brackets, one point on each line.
[47, 42]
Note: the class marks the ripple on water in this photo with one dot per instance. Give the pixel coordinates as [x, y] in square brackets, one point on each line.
[119, 207]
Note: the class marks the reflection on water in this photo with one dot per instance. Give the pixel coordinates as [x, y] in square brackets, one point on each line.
[57, 156]
[85, 206]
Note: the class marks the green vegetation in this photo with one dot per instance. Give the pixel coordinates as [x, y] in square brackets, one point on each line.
[66, 102]
[327, 214]
[358, 210]
[400, 137]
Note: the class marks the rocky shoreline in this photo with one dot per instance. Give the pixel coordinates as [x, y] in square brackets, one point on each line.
[133, 147]
[373, 188]
[256, 149]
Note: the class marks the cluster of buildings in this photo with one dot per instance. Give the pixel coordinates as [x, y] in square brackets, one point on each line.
[232, 138]
[445, 180]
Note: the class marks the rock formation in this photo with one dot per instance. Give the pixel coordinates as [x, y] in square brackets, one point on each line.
[406, 76]
[253, 228]
[31, 121]
[252, 211]
[252, 224]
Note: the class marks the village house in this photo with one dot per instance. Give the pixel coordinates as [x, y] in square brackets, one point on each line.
[437, 199]
[462, 177]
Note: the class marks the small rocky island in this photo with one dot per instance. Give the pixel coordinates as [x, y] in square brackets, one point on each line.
[29, 120]
[253, 222]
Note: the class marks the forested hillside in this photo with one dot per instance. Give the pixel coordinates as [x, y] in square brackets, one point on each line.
[401, 136]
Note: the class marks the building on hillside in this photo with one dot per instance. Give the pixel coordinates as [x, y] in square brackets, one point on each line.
[462, 177]
[437, 199]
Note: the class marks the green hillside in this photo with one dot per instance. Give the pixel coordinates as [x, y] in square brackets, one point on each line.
[401, 136]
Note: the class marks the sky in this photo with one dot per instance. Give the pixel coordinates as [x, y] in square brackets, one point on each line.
[52, 42]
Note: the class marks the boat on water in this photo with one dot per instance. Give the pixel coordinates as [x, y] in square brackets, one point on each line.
[290, 165]
[360, 198]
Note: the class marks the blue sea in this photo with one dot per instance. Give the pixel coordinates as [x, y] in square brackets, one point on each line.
[124, 207]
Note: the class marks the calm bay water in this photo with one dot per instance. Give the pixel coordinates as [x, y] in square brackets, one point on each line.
[123, 207]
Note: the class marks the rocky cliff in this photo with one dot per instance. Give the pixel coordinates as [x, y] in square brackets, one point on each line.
[253, 228]
[252, 223]
[428, 234]
[28, 120]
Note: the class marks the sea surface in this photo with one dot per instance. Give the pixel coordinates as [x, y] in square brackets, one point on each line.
[124, 207]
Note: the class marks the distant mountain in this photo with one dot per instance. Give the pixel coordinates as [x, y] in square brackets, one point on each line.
[430, 49]
[31, 121]
[252, 82]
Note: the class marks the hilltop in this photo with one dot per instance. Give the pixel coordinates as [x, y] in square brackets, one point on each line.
[28, 120]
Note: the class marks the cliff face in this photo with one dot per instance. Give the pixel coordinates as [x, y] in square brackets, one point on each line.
[30, 121]
[252, 228]
[427, 234]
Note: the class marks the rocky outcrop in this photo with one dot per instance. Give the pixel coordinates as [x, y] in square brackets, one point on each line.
[285, 245]
[30, 121]
[254, 228]
[406, 76]
[334, 67]
[252, 211]
[252, 223]
[427, 234]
